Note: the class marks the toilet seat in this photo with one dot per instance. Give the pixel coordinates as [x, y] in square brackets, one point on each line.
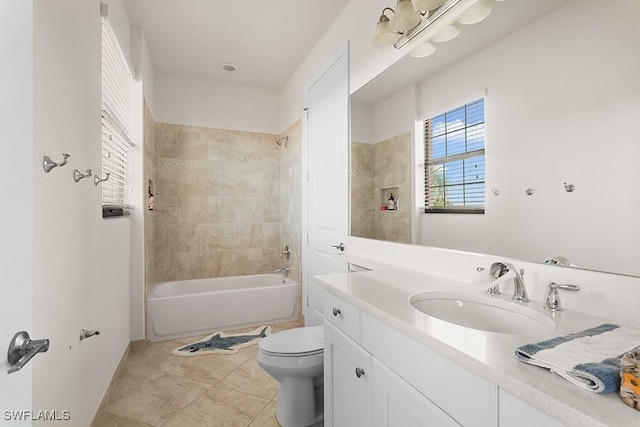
[298, 342]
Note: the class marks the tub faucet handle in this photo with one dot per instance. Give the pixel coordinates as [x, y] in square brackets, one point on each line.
[286, 252]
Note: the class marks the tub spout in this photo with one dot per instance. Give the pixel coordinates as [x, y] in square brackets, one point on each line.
[284, 271]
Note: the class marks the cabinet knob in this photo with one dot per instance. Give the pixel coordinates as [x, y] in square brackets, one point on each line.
[359, 372]
[336, 311]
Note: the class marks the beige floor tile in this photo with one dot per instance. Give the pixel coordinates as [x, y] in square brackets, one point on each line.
[267, 418]
[208, 368]
[220, 408]
[252, 379]
[109, 419]
[152, 397]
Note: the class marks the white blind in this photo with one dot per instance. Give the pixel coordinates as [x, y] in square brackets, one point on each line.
[116, 120]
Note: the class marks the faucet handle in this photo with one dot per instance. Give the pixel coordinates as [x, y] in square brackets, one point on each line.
[553, 298]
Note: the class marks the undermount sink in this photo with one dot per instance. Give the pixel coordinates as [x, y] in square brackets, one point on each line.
[480, 311]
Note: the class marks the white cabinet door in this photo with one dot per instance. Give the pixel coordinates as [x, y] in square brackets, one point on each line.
[347, 381]
[397, 404]
[516, 413]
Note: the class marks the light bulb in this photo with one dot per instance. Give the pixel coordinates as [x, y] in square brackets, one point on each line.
[384, 36]
[405, 17]
[449, 32]
[476, 13]
[427, 4]
[422, 50]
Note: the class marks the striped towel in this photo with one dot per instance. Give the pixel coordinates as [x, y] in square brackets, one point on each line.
[589, 359]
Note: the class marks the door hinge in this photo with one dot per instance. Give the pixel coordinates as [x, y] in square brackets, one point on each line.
[307, 301]
[307, 176]
[307, 239]
[306, 110]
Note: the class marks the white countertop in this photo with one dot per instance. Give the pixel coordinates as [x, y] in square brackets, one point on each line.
[384, 293]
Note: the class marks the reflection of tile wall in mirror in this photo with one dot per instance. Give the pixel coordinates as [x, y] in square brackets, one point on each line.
[378, 169]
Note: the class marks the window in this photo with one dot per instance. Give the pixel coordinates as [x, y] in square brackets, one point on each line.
[454, 160]
[116, 124]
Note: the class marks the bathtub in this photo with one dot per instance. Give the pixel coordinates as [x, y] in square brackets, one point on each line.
[196, 307]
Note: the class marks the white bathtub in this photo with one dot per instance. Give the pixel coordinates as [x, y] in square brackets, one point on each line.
[201, 306]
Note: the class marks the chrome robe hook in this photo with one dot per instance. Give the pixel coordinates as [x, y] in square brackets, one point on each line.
[77, 175]
[48, 164]
[97, 180]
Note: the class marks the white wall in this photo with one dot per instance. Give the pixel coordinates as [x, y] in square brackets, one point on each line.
[16, 176]
[208, 103]
[395, 115]
[361, 123]
[562, 100]
[81, 260]
[355, 23]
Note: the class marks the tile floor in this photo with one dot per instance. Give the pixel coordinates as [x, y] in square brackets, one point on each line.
[156, 388]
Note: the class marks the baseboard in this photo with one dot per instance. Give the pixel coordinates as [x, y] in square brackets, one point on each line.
[102, 409]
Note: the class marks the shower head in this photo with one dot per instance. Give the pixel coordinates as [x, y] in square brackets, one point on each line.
[284, 139]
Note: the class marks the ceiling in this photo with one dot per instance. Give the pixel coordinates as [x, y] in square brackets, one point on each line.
[267, 40]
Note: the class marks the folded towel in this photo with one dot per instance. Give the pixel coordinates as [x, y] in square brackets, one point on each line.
[590, 358]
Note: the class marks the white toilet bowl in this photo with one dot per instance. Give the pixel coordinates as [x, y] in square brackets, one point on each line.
[295, 358]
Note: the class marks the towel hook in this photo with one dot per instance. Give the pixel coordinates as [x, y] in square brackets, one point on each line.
[48, 164]
[97, 180]
[77, 175]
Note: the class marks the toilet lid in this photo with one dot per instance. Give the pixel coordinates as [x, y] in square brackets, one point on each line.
[295, 341]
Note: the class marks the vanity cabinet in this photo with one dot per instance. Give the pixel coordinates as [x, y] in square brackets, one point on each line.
[359, 389]
[374, 375]
[514, 412]
[396, 403]
[347, 381]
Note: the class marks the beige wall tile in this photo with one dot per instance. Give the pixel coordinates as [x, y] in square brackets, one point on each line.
[193, 265]
[193, 143]
[222, 263]
[219, 190]
[166, 140]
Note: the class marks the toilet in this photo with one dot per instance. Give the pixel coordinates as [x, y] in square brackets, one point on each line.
[295, 358]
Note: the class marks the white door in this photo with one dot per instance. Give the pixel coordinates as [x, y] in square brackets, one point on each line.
[16, 181]
[327, 159]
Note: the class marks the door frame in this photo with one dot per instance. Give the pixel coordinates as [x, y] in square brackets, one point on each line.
[344, 51]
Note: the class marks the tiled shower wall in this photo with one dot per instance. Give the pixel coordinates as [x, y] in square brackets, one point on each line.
[375, 167]
[290, 198]
[149, 219]
[219, 202]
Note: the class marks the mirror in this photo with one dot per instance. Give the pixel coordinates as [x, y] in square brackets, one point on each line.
[562, 91]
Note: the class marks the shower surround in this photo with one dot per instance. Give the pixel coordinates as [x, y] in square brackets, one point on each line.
[226, 202]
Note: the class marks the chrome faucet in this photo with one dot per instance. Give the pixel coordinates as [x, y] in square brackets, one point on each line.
[502, 272]
[284, 271]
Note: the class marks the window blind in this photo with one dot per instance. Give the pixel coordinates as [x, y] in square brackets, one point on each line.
[116, 122]
[454, 160]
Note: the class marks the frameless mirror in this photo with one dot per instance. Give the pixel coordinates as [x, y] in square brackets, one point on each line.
[561, 104]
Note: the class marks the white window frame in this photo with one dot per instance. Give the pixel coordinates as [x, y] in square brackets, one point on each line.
[466, 209]
[117, 141]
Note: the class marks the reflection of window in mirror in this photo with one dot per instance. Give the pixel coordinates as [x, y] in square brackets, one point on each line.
[454, 160]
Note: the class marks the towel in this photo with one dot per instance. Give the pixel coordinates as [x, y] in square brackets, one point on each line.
[589, 359]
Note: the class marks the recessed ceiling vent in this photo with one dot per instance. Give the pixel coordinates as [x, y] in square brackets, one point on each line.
[229, 67]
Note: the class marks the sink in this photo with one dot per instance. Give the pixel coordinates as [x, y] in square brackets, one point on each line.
[481, 311]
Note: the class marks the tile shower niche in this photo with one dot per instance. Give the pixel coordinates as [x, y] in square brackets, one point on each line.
[385, 196]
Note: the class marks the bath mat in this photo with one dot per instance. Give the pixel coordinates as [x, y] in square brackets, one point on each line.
[221, 343]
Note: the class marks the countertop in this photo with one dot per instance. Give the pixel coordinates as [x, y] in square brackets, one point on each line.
[384, 293]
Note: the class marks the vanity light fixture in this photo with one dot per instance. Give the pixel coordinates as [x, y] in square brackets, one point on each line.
[413, 17]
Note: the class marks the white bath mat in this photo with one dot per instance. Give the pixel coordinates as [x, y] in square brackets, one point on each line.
[221, 343]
